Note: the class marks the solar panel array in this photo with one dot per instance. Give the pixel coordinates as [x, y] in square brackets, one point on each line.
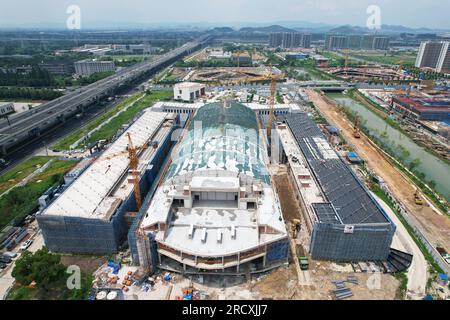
[340, 185]
[325, 212]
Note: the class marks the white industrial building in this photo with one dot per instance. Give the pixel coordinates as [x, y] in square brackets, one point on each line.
[90, 215]
[89, 67]
[6, 108]
[188, 91]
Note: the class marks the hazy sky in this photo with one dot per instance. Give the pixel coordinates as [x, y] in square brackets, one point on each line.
[110, 13]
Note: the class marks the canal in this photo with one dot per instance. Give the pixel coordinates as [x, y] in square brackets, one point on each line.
[431, 166]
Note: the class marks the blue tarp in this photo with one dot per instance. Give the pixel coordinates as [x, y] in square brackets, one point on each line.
[443, 277]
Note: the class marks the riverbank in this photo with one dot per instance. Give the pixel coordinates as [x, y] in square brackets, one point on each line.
[432, 224]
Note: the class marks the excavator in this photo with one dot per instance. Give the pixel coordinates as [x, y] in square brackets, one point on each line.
[417, 198]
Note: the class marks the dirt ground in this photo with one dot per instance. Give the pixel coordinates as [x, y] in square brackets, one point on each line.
[88, 264]
[435, 226]
[289, 204]
[282, 284]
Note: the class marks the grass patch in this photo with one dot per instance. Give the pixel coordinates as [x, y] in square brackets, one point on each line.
[21, 171]
[22, 201]
[65, 143]
[403, 278]
[110, 129]
[387, 58]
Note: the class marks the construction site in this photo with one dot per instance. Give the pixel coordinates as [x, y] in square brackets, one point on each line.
[217, 197]
[197, 190]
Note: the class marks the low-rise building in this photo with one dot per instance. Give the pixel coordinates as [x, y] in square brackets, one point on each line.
[88, 67]
[6, 108]
[188, 91]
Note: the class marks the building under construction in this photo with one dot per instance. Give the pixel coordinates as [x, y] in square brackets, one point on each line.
[94, 213]
[214, 209]
[345, 223]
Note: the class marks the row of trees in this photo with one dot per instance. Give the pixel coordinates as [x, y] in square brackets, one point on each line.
[36, 78]
[28, 93]
[50, 276]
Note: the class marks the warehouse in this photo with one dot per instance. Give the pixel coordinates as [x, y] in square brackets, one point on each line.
[215, 210]
[344, 222]
[93, 214]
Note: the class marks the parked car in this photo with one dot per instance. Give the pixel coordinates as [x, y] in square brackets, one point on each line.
[26, 244]
[10, 254]
[2, 265]
[5, 259]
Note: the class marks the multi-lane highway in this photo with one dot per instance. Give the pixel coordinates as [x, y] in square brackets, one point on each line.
[30, 124]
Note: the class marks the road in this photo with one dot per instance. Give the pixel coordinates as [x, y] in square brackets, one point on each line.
[71, 125]
[417, 272]
[32, 122]
[6, 279]
[435, 226]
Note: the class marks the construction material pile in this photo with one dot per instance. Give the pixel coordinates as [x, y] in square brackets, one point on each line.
[342, 292]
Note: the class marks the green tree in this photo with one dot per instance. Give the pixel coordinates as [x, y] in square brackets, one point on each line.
[43, 267]
[414, 164]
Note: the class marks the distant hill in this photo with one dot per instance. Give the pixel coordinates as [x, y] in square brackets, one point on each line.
[223, 29]
[385, 29]
[272, 28]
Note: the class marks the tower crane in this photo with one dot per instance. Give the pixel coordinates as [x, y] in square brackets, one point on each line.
[134, 162]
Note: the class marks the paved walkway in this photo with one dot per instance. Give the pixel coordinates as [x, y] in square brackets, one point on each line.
[417, 272]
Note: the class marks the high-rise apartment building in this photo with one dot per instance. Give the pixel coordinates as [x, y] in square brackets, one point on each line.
[434, 55]
[357, 42]
[289, 40]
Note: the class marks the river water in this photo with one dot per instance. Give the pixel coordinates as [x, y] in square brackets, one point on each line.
[431, 166]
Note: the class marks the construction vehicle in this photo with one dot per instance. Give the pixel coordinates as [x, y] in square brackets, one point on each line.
[356, 132]
[417, 198]
[295, 227]
[304, 263]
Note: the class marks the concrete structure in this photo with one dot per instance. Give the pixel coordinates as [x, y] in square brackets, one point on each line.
[344, 221]
[93, 214]
[219, 54]
[188, 108]
[188, 91]
[289, 40]
[434, 55]
[29, 125]
[215, 211]
[242, 58]
[88, 67]
[6, 108]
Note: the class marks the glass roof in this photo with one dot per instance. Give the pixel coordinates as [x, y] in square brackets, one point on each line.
[222, 137]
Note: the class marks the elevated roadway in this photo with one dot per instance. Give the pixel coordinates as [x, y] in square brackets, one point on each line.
[30, 124]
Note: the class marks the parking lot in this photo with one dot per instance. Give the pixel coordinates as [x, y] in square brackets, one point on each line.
[6, 279]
